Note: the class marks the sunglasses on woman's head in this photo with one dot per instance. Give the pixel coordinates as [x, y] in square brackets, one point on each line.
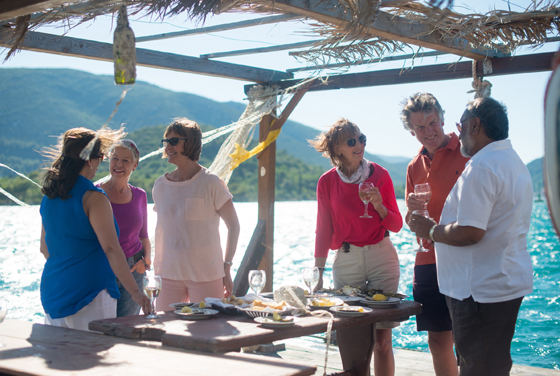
[352, 141]
[172, 141]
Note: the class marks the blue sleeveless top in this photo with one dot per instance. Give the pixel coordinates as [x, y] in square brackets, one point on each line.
[77, 268]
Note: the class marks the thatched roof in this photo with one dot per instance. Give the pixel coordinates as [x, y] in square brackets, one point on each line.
[351, 31]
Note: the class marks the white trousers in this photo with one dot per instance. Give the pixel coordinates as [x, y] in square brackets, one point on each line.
[102, 307]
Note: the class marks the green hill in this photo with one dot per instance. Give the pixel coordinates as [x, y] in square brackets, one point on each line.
[37, 105]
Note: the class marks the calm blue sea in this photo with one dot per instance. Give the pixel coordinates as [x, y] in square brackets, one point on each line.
[537, 338]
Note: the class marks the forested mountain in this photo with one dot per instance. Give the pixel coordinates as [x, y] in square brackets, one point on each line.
[37, 105]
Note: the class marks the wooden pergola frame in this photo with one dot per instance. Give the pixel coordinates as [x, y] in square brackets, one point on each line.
[260, 250]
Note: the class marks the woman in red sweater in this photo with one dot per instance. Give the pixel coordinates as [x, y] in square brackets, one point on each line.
[365, 256]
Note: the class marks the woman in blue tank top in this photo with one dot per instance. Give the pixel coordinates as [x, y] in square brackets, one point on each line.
[79, 237]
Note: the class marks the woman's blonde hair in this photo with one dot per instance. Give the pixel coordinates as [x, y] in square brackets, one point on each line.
[66, 164]
[338, 134]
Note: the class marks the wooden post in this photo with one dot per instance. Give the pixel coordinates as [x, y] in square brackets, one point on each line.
[267, 178]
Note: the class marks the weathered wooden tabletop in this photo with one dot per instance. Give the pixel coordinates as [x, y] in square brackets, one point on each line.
[40, 350]
[224, 333]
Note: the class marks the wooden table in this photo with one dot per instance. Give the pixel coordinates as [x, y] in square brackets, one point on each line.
[40, 350]
[224, 333]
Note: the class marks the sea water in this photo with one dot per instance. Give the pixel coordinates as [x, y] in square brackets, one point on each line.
[537, 336]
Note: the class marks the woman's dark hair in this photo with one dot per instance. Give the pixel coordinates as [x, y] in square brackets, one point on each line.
[338, 134]
[192, 147]
[492, 115]
[61, 176]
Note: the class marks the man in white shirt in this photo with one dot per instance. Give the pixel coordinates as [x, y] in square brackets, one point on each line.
[484, 268]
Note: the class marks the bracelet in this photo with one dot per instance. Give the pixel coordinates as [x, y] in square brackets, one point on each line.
[431, 233]
[320, 268]
[228, 263]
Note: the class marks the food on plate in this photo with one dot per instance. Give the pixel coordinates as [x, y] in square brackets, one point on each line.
[323, 302]
[352, 309]
[232, 299]
[276, 317]
[260, 305]
[186, 310]
[202, 304]
[379, 297]
[350, 291]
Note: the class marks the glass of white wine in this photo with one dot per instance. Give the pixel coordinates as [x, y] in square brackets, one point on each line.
[3, 312]
[152, 288]
[310, 277]
[257, 280]
[423, 213]
[423, 193]
[364, 189]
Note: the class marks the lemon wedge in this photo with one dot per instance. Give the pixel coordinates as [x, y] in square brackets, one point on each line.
[186, 310]
[379, 297]
[202, 304]
[276, 317]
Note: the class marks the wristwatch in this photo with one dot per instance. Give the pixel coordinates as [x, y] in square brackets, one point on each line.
[431, 232]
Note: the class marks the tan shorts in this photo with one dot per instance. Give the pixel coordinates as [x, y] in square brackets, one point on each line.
[373, 266]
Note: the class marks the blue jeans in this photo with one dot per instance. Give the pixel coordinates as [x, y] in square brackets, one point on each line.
[125, 305]
[483, 333]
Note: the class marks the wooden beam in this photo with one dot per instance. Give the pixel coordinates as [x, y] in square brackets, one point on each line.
[251, 259]
[266, 193]
[67, 46]
[501, 66]
[223, 27]
[371, 61]
[384, 25]
[16, 8]
[259, 50]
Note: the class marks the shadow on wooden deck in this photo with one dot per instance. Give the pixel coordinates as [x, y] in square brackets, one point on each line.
[311, 350]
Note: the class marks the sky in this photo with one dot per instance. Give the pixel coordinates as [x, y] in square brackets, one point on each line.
[375, 110]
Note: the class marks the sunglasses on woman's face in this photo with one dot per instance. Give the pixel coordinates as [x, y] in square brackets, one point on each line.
[172, 141]
[352, 141]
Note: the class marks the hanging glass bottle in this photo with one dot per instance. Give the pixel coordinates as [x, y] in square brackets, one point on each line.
[124, 50]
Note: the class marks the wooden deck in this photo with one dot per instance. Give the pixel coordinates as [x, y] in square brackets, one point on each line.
[311, 350]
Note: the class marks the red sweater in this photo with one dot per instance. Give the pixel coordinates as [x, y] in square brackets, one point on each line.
[340, 208]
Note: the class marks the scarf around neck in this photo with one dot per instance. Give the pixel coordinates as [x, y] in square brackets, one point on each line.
[361, 174]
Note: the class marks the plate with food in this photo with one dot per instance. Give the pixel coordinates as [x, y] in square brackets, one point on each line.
[350, 311]
[189, 313]
[388, 302]
[181, 305]
[261, 308]
[349, 299]
[277, 321]
[324, 303]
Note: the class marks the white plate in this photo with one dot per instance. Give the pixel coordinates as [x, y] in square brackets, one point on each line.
[270, 323]
[197, 314]
[349, 299]
[335, 302]
[180, 305]
[350, 311]
[381, 304]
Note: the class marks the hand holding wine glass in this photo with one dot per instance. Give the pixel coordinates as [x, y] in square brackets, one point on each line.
[152, 288]
[257, 280]
[423, 193]
[423, 213]
[310, 277]
[364, 191]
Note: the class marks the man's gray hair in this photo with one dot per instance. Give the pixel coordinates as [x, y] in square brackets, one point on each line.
[492, 115]
[419, 102]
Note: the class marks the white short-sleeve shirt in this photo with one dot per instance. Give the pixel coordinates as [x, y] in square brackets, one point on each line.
[495, 194]
[187, 240]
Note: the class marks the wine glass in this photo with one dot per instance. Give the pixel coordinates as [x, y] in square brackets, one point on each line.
[152, 288]
[423, 193]
[3, 312]
[310, 277]
[364, 189]
[423, 213]
[257, 280]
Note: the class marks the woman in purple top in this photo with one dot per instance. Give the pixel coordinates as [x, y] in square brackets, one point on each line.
[130, 210]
